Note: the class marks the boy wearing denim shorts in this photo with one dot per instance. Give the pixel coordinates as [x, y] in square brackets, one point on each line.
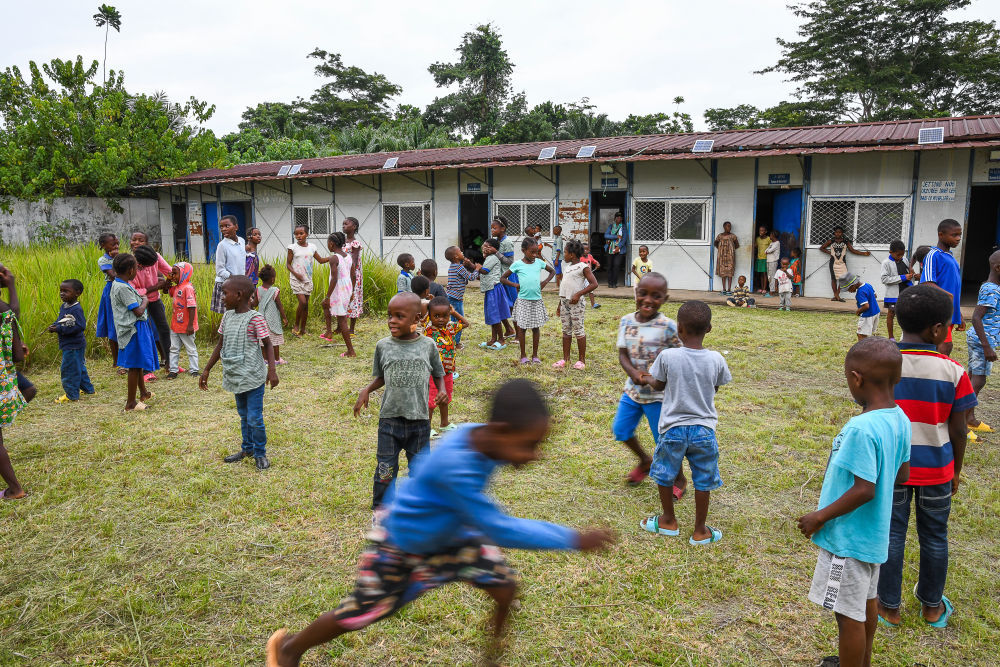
[982, 338]
[689, 377]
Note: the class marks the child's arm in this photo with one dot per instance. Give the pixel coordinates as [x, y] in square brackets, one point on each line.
[863, 253]
[958, 433]
[552, 274]
[268, 350]
[192, 318]
[977, 325]
[862, 308]
[825, 247]
[458, 316]
[588, 288]
[220, 262]
[636, 273]
[254, 300]
[212, 360]
[503, 279]
[638, 377]
[319, 258]
[860, 493]
[7, 280]
[362, 401]
[281, 309]
[141, 308]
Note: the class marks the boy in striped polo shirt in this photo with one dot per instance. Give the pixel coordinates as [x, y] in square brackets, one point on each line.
[460, 272]
[935, 394]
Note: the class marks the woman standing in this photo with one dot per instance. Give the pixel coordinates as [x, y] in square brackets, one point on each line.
[726, 243]
[614, 246]
[353, 248]
[837, 248]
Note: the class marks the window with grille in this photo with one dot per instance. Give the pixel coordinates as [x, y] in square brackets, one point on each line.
[876, 221]
[661, 220]
[523, 214]
[411, 220]
[316, 219]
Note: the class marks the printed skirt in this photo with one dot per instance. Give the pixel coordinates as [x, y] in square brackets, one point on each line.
[141, 350]
[105, 318]
[495, 308]
[529, 313]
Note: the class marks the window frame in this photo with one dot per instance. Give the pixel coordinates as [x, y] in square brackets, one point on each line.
[400, 205]
[903, 199]
[312, 228]
[546, 234]
[705, 201]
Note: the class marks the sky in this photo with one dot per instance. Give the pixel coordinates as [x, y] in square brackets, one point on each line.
[627, 56]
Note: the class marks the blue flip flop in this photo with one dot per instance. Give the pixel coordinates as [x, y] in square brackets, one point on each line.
[885, 623]
[716, 536]
[949, 609]
[651, 524]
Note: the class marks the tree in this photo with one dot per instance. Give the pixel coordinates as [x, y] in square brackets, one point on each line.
[252, 146]
[107, 17]
[352, 96]
[482, 74]
[276, 119]
[783, 114]
[890, 59]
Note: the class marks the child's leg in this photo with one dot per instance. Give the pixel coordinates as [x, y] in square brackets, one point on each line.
[113, 344]
[7, 472]
[324, 629]
[255, 422]
[933, 507]
[855, 645]
[342, 327]
[459, 307]
[277, 352]
[301, 313]
[520, 339]
[328, 320]
[134, 378]
[508, 330]
[668, 519]
[143, 392]
[496, 333]
[503, 597]
[353, 322]
[890, 314]
[567, 347]
[390, 437]
[246, 444]
[978, 383]
[701, 499]
[581, 348]
[192, 351]
[592, 302]
[627, 417]
[85, 384]
[175, 352]
[890, 575]
[69, 374]
[535, 334]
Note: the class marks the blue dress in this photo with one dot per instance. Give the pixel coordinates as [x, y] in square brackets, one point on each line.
[105, 318]
[141, 349]
[507, 250]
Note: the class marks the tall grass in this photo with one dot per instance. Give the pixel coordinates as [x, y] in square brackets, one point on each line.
[39, 268]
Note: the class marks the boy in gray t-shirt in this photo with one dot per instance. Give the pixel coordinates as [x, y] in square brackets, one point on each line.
[690, 377]
[405, 363]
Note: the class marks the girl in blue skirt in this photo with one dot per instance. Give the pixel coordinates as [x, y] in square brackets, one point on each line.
[496, 310]
[108, 242]
[136, 348]
[506, 256]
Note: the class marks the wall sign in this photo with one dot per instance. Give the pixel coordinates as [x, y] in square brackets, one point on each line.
[938, 190]
[779, 179]
[473, 187]
[609, 182]
[994, 174]
[195, 218]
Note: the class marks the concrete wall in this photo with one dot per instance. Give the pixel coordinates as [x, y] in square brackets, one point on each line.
[78, 220]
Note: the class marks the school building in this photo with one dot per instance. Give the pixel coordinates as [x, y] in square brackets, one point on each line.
[879, 181]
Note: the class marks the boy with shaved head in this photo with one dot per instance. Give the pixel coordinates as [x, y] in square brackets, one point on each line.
[851, 526]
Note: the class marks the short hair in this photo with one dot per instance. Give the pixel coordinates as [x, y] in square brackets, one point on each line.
[492, 242]
[75, 284]
[267, 273]
[695, 316]
[139, 231]
[948, 223]
[619, 214]
[877, 359]
[644, 246]
[428, 266]
[338, 239]
[253, 229]
[419, 285]
[502, 221]
[519, 404]
[919, 254]
[556, 227]
[145, 255]
[897, 246]
[123, 263]
[528, 242]
[796, 250]
[105, 237]
[922, 306]
[450, 251]
[438, 302]
[231, 218]
[354, 221]
[302, 225]
[655, 275]
[574, 246]
[242, 283]
[404, 259]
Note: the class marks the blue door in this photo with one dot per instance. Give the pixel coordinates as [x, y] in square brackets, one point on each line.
[237, 209]
[788, 218]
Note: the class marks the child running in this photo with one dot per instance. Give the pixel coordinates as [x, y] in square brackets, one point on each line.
[136, 349]
[529, 309]
[105, 319]
[579, 280]
[742, 297]
[403, 363]
[247, 366]
[184, 321]
[230, 259]
[406, 267]
[268, 299]
[442, 331]
[71, 326]
[642, 335]
[11, 400]
[851, 527]
[896, 278]
[443, 527]
[461, 272]
[299, 263]
[496, 310]
[338, 294]
[864, 295]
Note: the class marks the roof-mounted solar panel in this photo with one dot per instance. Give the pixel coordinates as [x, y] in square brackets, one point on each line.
[703, 146]
[284, 170]
[390, 163]
[931, 135]
[296, 168]
[547, 153]
[586, 151]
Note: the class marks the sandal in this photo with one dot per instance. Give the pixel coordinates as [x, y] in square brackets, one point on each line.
[139, 407]
[524, 361]
[496, 346]
[651, 524]
[636, 475]
[536, 360]
[273, 646]
[326, 338]
[715, 536]
[579, 366]
[149, 377]
[678, 491]
[559, 364]
[949, 609]
[5, 496]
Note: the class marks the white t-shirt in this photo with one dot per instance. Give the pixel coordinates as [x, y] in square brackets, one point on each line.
[573, 279]
[784, 281]
[773, 251]
[302, 258]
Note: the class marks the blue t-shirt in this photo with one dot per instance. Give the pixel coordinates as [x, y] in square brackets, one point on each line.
[866, 294]
[530, 278]
[871, 446]
[989, 297]
[71, 334]
[942, 269]
[445, 500]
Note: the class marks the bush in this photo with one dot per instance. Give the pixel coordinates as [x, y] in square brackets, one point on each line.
[39, 268]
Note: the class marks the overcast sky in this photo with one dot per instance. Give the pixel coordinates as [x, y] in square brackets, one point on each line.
[627, 57]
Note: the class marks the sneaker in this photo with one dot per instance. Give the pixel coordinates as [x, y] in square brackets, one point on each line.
[195, 372]
[262, 462]
[434, 433]
[448, 428]
[238, 456]
[596, 305]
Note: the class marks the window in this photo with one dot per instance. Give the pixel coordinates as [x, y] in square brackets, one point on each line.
[661, 220]
[316, 218]
[876, 221]
[521, 214]
[412, 219]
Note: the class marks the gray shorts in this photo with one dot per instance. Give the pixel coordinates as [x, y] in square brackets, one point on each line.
[844, 585]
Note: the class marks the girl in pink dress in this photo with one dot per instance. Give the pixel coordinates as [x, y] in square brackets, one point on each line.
[353, 248]
[338, 294]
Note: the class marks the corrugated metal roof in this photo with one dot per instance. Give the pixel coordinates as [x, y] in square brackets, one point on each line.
[963, 132]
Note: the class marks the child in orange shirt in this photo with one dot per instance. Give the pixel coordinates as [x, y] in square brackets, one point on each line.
[184, 320]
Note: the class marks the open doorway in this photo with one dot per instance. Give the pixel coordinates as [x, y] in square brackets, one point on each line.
[603, 205]
[239, 209]
[178, 213]
[474, 225]
[777, 209]
[982, 236]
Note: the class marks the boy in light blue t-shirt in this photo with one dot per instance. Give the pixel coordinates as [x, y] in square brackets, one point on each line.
[851, 526]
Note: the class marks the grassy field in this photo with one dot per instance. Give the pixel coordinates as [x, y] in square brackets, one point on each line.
[138, 546]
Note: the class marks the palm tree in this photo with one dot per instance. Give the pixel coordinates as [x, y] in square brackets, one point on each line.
[107, 17]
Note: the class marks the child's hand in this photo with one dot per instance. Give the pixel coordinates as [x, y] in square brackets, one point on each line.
[284, 320]
[960, 326]
[989, 353]
[203, 381]
[25, 349]
[326, 302]
[272, 377]
[190, 330]
[441, 398]
[810, 523]
[595, 539]
[575, 300]
[52, 328]
[362, 402]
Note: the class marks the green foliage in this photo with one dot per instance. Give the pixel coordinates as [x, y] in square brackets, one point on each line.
[784, 114]
[351, 96]
[63, 135]
[395, 135]
[253, 146]
[275, 120]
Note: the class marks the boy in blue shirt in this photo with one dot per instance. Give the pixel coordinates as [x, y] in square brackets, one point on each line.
[941, 268]
[867, 301]
[442, 527]
[406, 266]
[870, 456]
[983, 338]
[70, 327]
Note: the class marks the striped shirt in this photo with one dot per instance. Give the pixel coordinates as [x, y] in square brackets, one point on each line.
[458, 278]
[931, 389]
[257, 329]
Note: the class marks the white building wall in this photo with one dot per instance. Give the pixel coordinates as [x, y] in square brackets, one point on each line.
[779, 164]
[574, 199]
[357, 201]
[166, 220]
[446, 232]
[396, 189]
[734, 202]
[940, 165]
[272, 214]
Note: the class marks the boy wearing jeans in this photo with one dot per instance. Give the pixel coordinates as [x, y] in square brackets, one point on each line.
[403, 363]
[70, 327]
[935, 394]
[690, 376]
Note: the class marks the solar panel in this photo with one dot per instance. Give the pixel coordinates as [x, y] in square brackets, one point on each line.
[296, 168]
[284, 170]
[390, 163]
[586, 151]
[931, 135]
[547, 153]
[703, 146]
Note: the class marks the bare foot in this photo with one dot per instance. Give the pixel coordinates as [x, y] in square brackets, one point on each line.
[932, 614]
